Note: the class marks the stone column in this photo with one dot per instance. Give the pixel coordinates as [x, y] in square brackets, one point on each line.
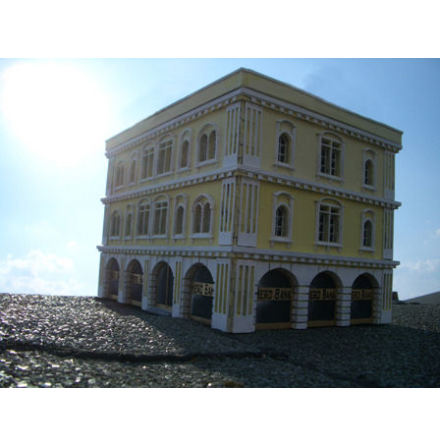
[300, 308]
[124, 283]
[343, 307]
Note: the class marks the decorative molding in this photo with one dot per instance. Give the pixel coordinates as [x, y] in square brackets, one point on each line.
[256, 174]
[256, 98]
[249, 254]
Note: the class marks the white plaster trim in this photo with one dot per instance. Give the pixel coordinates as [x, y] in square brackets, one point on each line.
[265, 101]
[271, 255]
[257, 174]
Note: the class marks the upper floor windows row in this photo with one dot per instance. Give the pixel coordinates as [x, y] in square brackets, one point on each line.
[153, 218]
[329, 223]
[161, 159]
[174, 154]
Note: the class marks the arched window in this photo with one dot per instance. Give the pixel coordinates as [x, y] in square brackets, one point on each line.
[281, 222]
[283, 149]
[143, 218]
[179, 221]
[282, 217]
[207, 144]
[367, 234]
[368, 173]
[115, 225]
[202, 216]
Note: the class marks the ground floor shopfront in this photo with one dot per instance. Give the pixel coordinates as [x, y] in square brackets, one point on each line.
[238, 294]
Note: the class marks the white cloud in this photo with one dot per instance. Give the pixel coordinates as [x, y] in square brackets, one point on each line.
[39, 273]
[422, 266]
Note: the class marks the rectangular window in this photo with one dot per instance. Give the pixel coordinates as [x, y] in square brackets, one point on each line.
[330, 157]
[160, 218]
[329, 219]
[164, 161]
[147, 163]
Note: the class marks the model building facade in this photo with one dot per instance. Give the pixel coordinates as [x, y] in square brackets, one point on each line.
[252, 204]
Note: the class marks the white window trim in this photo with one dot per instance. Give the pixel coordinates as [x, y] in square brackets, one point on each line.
[207, 128]
[156, 200]
[118, 165]
[292, 140]
[364, 218]
[134, 158]
[329, 202]
[209, 234]
[369, 155]
[180, 200]
[148, 235]
[118, 236]
[165, 139]
[276, 202]
[331, 136]
[186, 135]
[129, 211]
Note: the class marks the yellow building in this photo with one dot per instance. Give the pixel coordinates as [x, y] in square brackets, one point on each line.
[252, 204]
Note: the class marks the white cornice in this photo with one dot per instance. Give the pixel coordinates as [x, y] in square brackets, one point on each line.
[257, 174]
[264, 101]
[248, 253]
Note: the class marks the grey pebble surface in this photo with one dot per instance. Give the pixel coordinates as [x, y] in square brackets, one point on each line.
[56, 341]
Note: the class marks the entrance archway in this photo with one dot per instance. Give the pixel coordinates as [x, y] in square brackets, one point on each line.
[199, 294]
[274, 299]
[362, 297]
[164, 280]
[112, 279]
[322, 300]
[134, 283]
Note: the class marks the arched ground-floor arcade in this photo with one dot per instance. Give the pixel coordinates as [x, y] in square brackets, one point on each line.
[240, 295]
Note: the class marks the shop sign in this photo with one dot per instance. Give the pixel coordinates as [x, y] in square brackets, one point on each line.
[203, 289]
[275, 293]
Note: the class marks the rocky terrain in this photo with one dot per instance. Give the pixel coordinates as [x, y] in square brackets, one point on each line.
[55, 341]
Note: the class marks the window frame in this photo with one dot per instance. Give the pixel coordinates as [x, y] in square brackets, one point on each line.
[333, 139]
[115, 225]
[332, 205]
[207, 131]
[147, 221]
[202, 201]
[282, 198]
[148, 158]
[285, 127]
[185, 137]
[368, 215]
[369, 155]
[181, 200]
[164, 201]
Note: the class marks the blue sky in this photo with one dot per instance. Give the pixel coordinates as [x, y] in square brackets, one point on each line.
[55, 116]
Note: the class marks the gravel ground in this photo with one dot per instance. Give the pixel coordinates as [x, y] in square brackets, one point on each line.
[88, 342]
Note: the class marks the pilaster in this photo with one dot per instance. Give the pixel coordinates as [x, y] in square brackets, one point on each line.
[343, 307]
[300, 307]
